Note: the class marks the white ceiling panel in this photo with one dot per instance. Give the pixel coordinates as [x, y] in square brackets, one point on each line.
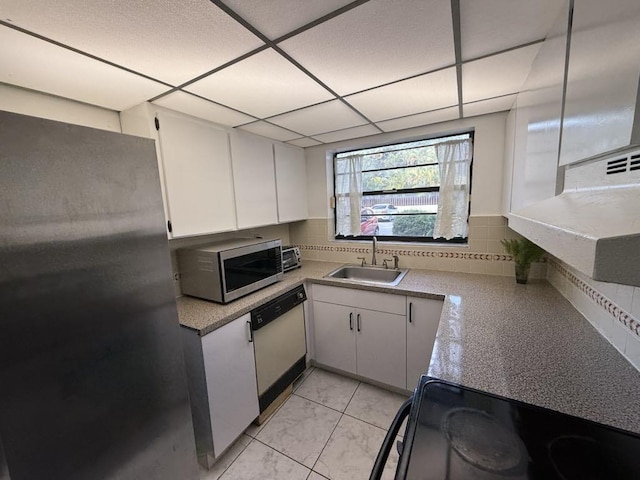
[32, 63]
[263, 85]
[274, 18]
[191, 105]
[376, 43]
[497, 75]
[167, 40]
[492, 105]
[325, 117]
[356, 132]
[489, 26]
[419, 94]
[304, 142]
[271, 131]
[426, 118]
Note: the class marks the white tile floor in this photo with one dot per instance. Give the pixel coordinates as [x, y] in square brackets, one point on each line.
[331, 427]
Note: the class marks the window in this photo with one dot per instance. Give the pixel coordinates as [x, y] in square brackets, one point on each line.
[415, 191]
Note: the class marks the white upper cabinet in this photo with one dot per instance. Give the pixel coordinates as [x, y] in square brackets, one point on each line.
[602, 83]
[195, 169]
[537, 120]
[253, 180]
[291, 183]
[197, 176]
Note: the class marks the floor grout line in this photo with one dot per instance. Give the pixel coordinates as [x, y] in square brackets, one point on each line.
[237, 456]
[341, 412]
[334, 429]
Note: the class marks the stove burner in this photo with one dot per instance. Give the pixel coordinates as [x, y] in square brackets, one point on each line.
[482, 440]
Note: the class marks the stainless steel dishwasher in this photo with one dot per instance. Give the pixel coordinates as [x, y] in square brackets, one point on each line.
[280, 345]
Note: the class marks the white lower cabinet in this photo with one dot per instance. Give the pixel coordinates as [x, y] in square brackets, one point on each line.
[358, 340]
[381, 347]
[335, 339]
[222, 385]
[423, 317]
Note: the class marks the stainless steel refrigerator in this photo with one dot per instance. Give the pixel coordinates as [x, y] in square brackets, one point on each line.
[92, 381]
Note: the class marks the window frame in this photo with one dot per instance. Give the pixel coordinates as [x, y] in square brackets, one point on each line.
[397, 238]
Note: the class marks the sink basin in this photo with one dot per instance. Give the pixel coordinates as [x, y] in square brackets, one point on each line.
[375, 275]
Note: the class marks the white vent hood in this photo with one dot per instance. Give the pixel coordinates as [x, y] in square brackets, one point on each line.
[594, 224]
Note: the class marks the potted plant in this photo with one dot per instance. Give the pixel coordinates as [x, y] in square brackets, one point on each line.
[524, 252]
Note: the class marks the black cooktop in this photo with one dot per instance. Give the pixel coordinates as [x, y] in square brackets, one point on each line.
[456, 432]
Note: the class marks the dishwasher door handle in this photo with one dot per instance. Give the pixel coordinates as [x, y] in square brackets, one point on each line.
[250, 331]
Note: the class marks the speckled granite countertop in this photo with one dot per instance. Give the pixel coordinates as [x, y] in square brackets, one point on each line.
[525, 342]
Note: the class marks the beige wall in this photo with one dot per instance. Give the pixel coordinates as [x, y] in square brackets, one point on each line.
[483, 254]
[488, 158]
[36, 104]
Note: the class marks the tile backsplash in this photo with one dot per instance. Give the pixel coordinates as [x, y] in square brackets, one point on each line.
[483, 254]
[612, 309]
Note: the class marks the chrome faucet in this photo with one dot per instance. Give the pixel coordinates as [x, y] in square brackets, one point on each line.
[373, 255]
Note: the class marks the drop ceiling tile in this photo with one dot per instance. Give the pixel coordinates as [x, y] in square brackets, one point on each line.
[263, 85]
[376, 43]
[491, 105]
[33, 63]
[326, 117]
[421, 119]
[304, 142]
[497, 75]
[167, 40]
[356, 132]
[419, 94]
[278, 17]
[192, 105]
[493, 25]
[270, 131]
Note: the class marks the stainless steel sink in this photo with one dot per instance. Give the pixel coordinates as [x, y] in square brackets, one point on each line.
[375, 275]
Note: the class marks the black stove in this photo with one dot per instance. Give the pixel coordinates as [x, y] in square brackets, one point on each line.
[455, 432]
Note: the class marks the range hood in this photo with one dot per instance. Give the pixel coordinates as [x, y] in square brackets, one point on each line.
[594, 224]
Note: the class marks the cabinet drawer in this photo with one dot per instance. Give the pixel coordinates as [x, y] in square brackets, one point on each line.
[381, 302]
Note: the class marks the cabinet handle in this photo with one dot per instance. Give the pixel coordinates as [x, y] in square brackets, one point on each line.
[410, 305]
[250, 331]
[350, 320]
[358, 321]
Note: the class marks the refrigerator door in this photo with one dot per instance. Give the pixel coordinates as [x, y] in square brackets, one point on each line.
[92, 382]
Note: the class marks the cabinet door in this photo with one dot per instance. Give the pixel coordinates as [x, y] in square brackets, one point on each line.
[197, 176]
[291, 183]
[231, 381]
[254, 180]
[602, 79]
[382, 347]
[423, 317]
[334, 330]
[537, 120]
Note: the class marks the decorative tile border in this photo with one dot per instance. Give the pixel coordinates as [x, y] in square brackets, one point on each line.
[493, 257]
[607, 305]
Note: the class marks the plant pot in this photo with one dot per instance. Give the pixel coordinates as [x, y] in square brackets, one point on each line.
[522, 272]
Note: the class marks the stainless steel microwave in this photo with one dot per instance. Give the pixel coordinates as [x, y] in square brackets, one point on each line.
[230, 269]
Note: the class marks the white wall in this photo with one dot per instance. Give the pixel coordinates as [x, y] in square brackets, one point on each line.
[36, 104]
[486, 195]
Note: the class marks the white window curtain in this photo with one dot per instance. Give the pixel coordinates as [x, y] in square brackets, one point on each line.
[454, 161]
[348, 194]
